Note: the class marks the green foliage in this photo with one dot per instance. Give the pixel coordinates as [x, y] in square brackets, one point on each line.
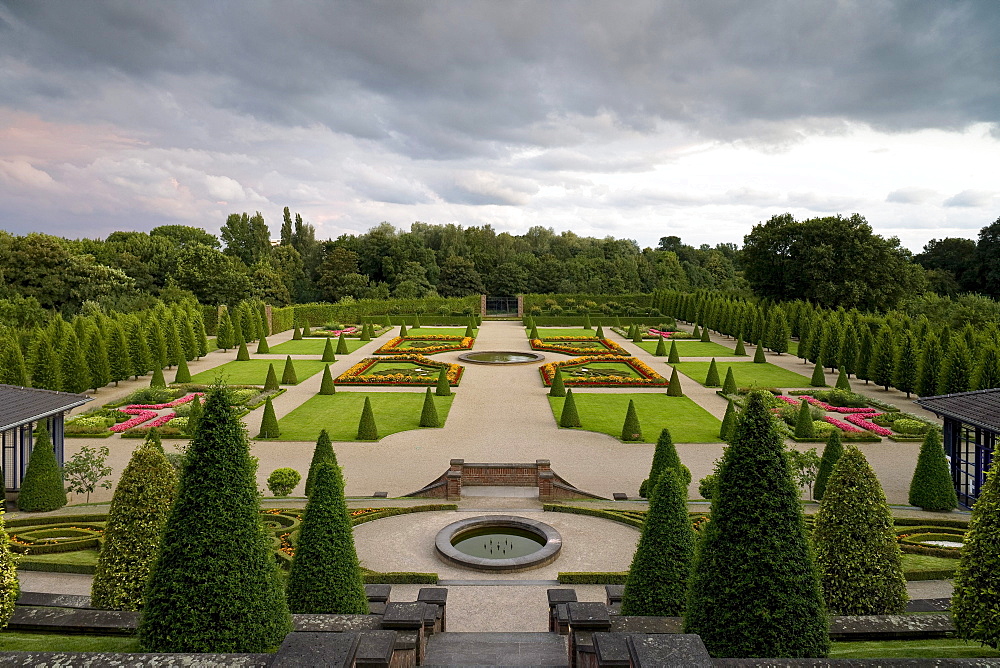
[136, 520]
[157, 380]
[674, 388]
[729, 385]
[269, 422]
[42, 487]
[705, 338]
[930, 366]
[600, 333]
[282, 481]
[10, 587]
[328, 355]
[804, 422]
[74, 375]
[243, 355]
[402, 330]
[956, 371]
[296, 334]
[856, 550]
[658, 577]
[708, 485]
[831, 455]
[741, 350]
[673, 357]
[569, 418]
[636, 335]
[305, 329]
[931, 487]
[975, 604]
[326, 576]
[758, 356]
[288, 376]
[194, 417]
[367, 431]
[323, 452]
[13, 370]
[271, 383]
[883, 358]
[987, 368]
[183, 374]
[225, 337]
[558, 387]
[712, 379]
[327, 387]
[229, 572]
[429, 415]
[804, 465]
[631, 429]
[665, 457]
[44, 364]
[85, 471]
[533, 334]
[696, 332]
[842, 382]
[366, 332]
[443, 388]
[754, 591]
[728, 422]
[904, 375]
[342, 345]
[818, 378]
[661, 348]
[586, 321]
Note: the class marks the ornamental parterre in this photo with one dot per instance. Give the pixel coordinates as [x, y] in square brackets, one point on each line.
[425, 345]
[595, 372]
[579, 345]
[392, 370]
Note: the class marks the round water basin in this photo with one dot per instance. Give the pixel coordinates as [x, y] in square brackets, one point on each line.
[498, 543]
[501, 357]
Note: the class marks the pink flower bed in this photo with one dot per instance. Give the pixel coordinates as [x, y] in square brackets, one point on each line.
[857, 416]
[162, 420]
[146, 412]
[141, 416]
[862, 421]
[175, 402]
[840, 424]
[665, 332]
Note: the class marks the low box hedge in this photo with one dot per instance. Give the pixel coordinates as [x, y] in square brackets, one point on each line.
[592, 578]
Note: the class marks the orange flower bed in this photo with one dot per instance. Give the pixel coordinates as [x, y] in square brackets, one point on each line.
[597, 379]
[358, 374]
[447, 343]
[564, 344]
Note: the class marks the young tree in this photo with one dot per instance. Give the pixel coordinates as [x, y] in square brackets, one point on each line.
[987, 370]
[97, 359]
[183, 374]
[805, 466]
[325, 577]
[225, 336]
[956, 371]
[263, 348]
[741, 350]
[443, 388]
[326, 387]
[729, 387]
[674, 387]
[705, 338]
[661, 348]
[157, 380]
[657, 580]
[818, 377]
[328, 355]
[631, 429]
[728, 422]
[754, 591]
[323, 452]
[975, 605]
[136, 519]
[712, 379]
[558, 387]
[931, 487]
[804, 422]
[342, 345]
[229, 573]
[883, 358]
[367, 431]
[569, 417]
[856, 549]
[904, 375]
[673, 357]
[842, 382]
[429, 415]
[296, 334]
[664, 457]
[269, 422]
[42, 487]
[242, 354]
[288, 376]
[831, 455]
[85, 471]
[758, 355]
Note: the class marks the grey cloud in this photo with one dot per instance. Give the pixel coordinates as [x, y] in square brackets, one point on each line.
[970, 198]
[910, 195]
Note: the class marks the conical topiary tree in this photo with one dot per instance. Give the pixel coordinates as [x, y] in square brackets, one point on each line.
[818, 378]
[183, 374]
[637, 335]
[533, 334]
[342, 345]
[842, 382]
[674, 388]
[322, 453]
[569, 418]
[696, 332]
[136, 519]
[741, 350]
[305, 329]
[224, 336]
[242, 354]
[673, 357]
[194, 417]
[328, 355]
[754, 590]
[429, 414]
[42, 487]
[325, 577]
[367, 431]
[729, 384]
[664, 457]
[758, 356]
[288, 376]
[712, 379]
[326, 387]
[661, 347]
[229, 572]
[443, 388]
[296, 334]
[269, 422]
[728, 422]
[262, 347]
[402, 330]
[857, 554]
[931, 487]
[804, 421]
[600, 331]
[157, 380]
[975, 605]
[558, 387]
[831, 455]
[416, 321]
[631, 429]
[271, 382]
[658, 577]
[586, 321]
[705, 338]
[366, 333]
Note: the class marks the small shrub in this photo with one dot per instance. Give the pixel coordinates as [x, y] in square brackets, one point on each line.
[42, 488]
[282, 481]
[631, 429]
[569, 418]
[288, 376]
[367, 431]
[707, 486]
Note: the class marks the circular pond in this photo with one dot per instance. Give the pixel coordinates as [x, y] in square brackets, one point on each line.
[498, 543]
[501, 357]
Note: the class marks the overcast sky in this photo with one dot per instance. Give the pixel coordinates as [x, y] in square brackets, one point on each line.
[631, 119]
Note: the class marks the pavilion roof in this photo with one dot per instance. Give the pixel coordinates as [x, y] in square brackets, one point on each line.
[22, 405]
[979, 408]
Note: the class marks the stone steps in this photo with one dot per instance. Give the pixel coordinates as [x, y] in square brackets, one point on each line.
[496, 649]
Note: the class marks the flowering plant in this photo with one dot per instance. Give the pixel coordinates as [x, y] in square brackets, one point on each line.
[575, 373]
[393, 346]
[358, 374]
[597, 347]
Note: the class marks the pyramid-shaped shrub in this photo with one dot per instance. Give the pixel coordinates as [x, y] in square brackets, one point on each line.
[42, 487]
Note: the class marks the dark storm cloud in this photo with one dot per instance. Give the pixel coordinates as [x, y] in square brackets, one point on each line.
[444, 80]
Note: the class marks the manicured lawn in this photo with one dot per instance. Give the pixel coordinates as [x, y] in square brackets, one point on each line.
[78, 557]
[688, 422]
[340, 413]
[254, 372]
[692, 348]
[11, 641]
[793, 348]
[566, 331]
[943, 648]
[923, 562]
[600, 369]
[309, 346]
[746, 374]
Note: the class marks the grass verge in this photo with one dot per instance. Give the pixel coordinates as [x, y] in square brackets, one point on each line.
[11, 641]
[312, 346]
[944, 648]
[254, 372]
[747, 374]
[605, 413]
[692, 348]
[340, 413]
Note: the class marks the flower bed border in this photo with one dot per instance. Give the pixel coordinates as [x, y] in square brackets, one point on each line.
[457, 343]
[649, 377]
[353, 376]
[611, 348]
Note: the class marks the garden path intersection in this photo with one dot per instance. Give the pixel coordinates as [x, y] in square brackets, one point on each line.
[499, 414]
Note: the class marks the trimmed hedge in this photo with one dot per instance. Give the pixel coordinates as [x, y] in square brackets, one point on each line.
[592, 577]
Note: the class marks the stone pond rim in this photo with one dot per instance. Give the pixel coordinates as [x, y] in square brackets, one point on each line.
[546, 554]
[501, 357]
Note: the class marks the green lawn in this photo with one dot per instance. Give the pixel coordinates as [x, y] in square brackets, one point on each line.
[78, 557]
[924, 562]
[943, 648]
[309, 346]
[692, 348]
[432, 331]
[566, 331]
[254, 372]
[746, 374]
[340, 413]
[688, 422]
[599, 369]
[52, 642]
[793, 348]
